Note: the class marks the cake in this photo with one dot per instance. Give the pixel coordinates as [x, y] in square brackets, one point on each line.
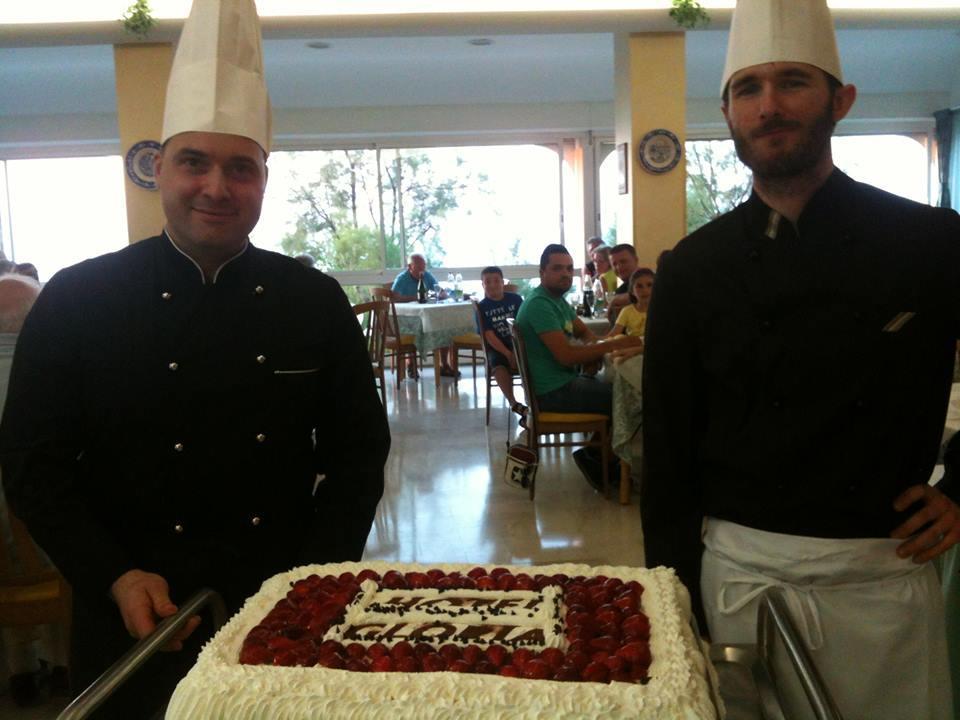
[356, 640]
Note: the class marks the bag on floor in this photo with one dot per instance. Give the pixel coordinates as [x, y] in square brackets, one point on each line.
[521, 467]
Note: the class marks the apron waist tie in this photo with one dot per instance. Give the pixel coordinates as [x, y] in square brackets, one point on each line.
[799, 602]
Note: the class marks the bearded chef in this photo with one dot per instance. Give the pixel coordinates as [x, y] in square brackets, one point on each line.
[799, 354]
[192, 411]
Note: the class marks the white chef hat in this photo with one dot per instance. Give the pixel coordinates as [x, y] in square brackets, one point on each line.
[216, 82]
[765, 31]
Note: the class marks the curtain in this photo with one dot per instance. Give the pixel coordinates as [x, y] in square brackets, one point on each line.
[954, 162]
[948, 156]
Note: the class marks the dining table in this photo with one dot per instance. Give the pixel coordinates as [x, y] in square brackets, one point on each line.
[625, 436]
[599, 326]
[433, 326]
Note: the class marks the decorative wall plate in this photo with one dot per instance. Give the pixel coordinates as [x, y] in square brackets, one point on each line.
[659, 151]
[139, 163]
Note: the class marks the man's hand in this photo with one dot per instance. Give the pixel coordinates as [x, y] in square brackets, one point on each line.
[627, 352]
[940, 513]
[143, 599]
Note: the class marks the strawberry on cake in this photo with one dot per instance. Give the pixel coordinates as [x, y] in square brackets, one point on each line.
[372, 640]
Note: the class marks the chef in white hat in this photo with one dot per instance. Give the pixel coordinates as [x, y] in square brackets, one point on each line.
[797, 369]
[184, 413]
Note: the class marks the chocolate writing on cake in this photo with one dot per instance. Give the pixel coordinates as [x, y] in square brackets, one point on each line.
[514, 618]
[441, 633]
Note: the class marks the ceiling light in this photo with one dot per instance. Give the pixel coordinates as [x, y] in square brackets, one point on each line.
[480, 42]
[318, 45]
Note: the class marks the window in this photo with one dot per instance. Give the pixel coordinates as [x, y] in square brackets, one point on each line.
[368, 209]
[62, 211]
[895, 163]
[717, 181]
[608, 180]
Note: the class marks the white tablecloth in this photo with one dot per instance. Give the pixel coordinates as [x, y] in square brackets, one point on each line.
[953, 411]
[434, 325]
[599, 326]
[627, 408]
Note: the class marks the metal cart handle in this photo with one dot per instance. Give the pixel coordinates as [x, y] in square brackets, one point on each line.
[117, 674]
[773, 617]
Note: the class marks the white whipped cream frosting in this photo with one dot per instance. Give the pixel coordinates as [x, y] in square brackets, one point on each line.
[218, 687]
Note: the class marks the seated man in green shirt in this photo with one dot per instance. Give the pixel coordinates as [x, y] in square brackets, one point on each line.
[549, 326]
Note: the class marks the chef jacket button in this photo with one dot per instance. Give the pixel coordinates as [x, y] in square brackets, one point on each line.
[165, 295]
[754, 254]
[255, 520]
[258, 289]
[178, 447]
[173, 366]
[178, 528]
[851, 488]
[261, 359]
[777, 404]
[859, 403]
[261, 437]
[766, 325]
[857, 316]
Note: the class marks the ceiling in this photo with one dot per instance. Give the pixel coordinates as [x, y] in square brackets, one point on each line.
[448, 70]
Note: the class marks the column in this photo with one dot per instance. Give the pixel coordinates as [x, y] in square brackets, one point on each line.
[141, 79]
[650, 82]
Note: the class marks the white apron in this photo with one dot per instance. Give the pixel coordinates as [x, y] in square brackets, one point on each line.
[873, 622]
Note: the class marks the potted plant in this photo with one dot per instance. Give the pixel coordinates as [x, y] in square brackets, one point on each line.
[137, 20]
[689, 13]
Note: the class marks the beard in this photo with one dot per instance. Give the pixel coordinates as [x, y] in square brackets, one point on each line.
[791, 162]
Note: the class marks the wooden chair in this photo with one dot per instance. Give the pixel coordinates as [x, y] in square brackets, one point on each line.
[470, 343]
[373, 319]
[32, 591]
[541, 424]
[398, 347]
[489, 369]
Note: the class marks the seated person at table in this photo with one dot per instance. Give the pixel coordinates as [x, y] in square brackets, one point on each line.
[404, 289]
[550, 327]
[623, 257]
[495, 308]
[590, 267]
[405, 284]
[632, 320]
[605, 272]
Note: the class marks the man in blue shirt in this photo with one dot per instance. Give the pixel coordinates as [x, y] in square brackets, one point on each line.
[405, 290]
[495, 308]
[405, 284]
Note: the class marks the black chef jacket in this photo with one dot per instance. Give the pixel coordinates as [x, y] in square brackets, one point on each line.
[159, 422]
[796, 378]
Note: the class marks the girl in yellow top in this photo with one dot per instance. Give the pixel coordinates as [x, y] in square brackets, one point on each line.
[633, 318]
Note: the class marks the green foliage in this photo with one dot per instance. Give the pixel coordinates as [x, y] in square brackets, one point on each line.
[339, 217]
[137, 19]
[716, 181]
[689, 13]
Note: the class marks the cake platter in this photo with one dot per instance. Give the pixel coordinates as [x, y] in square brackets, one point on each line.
[744, 672]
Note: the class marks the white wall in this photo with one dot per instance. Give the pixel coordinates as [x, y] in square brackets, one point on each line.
[94, 134]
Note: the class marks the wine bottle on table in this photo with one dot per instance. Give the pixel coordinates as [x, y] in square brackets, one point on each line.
[421, 291]
[587, 282]
[587, 300]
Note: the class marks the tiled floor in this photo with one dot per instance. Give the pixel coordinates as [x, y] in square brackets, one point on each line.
[445, 499]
